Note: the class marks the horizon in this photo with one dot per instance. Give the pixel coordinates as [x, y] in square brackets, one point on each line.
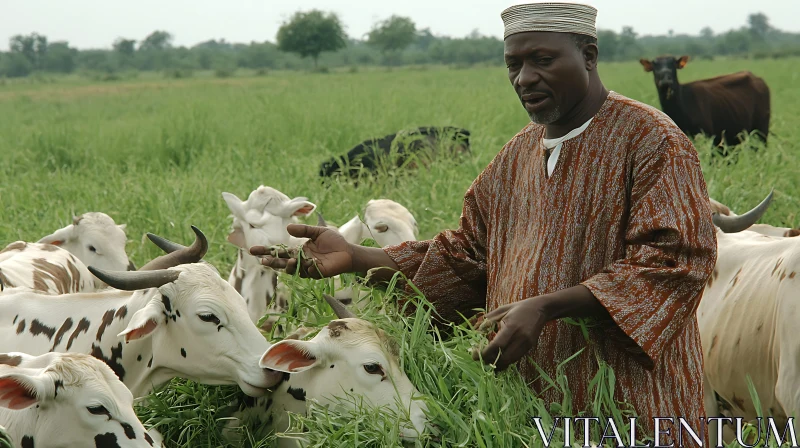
[245, 21]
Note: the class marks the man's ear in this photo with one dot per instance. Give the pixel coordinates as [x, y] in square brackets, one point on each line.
[591, 54]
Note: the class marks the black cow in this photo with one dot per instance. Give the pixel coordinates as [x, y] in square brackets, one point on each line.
[720, 107]
[396, 149]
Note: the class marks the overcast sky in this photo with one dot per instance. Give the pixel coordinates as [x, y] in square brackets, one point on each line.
[97, 23]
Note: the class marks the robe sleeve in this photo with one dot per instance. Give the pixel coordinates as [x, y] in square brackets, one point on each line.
[450, 268]
[652, 293]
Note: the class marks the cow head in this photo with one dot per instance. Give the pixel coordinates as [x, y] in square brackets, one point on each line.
[261, 220]
[96, 240]
[385, 221]
[199, 324]
[349, 356]
[67, 399]
[665, 71]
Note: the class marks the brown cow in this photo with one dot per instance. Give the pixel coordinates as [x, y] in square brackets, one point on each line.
[720, 107]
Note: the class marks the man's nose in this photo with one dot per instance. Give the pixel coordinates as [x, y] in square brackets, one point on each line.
[528, 76]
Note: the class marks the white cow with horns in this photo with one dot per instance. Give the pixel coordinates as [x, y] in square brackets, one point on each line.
[175, 317]
[57, 263]
[59, 400]
[349, 356]
[747, 318]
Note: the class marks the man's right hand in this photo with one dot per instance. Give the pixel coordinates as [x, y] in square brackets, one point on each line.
[325, 254]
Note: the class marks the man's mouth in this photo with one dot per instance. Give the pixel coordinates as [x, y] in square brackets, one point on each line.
[534, 100]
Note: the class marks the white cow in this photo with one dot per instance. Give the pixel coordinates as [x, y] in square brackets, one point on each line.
[385, 221]
[67, 400]
[96, 240]
[349, 357]
[745, 319]
[261, 220]
[44, 268]
[173, 318]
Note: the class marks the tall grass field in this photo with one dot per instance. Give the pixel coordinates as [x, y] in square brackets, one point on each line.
[156, 154]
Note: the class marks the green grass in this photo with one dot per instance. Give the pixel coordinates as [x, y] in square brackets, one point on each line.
[157, 154]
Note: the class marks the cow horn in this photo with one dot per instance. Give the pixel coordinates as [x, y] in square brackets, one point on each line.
[734, 224]
[177, 253]
[321, 221]
[339, 309]
[131, 281]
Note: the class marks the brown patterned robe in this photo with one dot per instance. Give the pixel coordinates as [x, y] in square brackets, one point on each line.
[626, 214]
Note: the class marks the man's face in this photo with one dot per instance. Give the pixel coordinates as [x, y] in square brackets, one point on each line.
[548, 73]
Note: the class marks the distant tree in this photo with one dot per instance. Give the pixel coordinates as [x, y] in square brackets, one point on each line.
[392, 35]
[311, 33]
[125, 47]
[33, 47]
[60, 58]
[157, 40]
[707, 33]
[759, 25]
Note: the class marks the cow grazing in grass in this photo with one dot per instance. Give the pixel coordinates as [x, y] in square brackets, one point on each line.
[56, 400]
[720, 107]
[349, 357]
[176, 317]
[261, 220]
[764, 229]
[747, 318]
[43, 268]
[396, 149]
[385, 221]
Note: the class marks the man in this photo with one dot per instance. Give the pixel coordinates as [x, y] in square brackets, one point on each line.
[597, 208]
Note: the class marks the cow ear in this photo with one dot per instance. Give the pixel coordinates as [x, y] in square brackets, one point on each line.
[236, 237]
[235, 205]
[290, 356]
[19, 389]
[682, 61]
[122, 227]
[145, 321]
[648, 66]
[60, 236]
[299, 207]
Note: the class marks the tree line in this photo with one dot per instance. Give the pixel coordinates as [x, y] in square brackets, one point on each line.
[315, 40]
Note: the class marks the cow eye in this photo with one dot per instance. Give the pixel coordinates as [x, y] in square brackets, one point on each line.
[209, 318]
[98, 410]
[373, 369]
[92, 249]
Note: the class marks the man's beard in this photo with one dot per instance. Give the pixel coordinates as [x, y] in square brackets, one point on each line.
[546, 117]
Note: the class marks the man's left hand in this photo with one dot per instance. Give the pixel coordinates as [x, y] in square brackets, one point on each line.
[520, 325]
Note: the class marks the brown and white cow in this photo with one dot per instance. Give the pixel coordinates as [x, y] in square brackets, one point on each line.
[175, 317]
[746, 316]
[44, 268]
[56, 400]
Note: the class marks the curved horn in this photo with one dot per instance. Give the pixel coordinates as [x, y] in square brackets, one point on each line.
[321, 221]
[177, 253]
[734, 224]
[131, 281]
[341, 311]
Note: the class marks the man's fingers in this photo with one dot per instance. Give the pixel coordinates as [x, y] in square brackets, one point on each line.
[498, 345]
[516, 349]
[304, 231]
[497, 313]
[274, 263]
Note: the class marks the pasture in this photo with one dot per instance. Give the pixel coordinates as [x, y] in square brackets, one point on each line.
[156, 154]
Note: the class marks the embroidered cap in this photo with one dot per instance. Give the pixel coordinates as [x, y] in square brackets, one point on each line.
[549, 16]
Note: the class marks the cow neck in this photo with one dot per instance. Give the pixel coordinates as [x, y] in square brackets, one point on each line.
[20, 423]
[673, 106]
[258, 285]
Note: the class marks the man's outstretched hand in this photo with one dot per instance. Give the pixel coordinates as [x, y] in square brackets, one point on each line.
[325, 254]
